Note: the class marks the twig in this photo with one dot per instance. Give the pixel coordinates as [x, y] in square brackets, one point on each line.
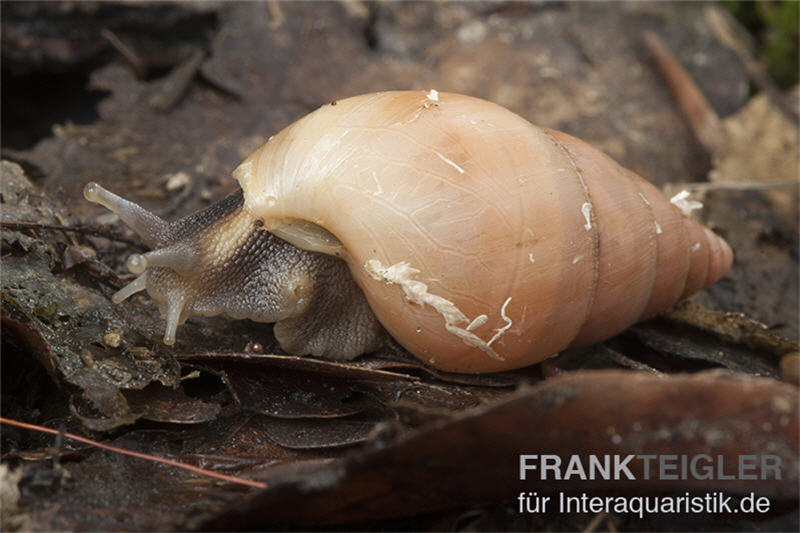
[738, 186]
[147, 457]
[630, 363]
[698, 112]
[75, 229]
[124, 50]
[177, 82]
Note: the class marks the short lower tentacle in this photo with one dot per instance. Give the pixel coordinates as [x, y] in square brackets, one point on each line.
[137, 285]
[179, 257]
[175, 305]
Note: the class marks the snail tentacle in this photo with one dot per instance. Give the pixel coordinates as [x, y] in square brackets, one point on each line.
[137, 285]
[175, 306]
[221, 261]
[148, 226]
[179, 257]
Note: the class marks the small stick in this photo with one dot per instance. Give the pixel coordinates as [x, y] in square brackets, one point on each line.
[698, 112]
[177, 83]
[74, 229]
[739, 185]
[147, 457]
[124, 50]
[626, 361]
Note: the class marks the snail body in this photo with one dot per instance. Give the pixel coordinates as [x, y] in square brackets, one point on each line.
[477, 240]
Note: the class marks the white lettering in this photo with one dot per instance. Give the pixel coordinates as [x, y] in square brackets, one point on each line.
[524, 466]
[623, 467]
[603, 469]
[552, 463]
[575, 467]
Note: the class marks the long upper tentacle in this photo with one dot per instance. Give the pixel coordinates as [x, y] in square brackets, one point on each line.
[151, 228]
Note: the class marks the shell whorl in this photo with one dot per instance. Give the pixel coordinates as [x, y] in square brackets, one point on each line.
[649, 254]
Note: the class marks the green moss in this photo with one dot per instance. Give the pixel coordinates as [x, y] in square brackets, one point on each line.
[776, 29]
[781, 42]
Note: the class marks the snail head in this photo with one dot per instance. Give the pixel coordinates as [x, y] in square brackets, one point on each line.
[221, 260]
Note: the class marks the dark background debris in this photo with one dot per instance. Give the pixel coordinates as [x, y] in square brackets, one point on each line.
[159, 102]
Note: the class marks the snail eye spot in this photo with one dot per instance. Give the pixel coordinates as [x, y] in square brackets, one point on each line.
[258, 223]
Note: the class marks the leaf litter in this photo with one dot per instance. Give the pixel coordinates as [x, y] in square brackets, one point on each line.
[384, 436]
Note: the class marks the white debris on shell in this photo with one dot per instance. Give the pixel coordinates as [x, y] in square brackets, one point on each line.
[433, 95]
[451, 163]
[659, 231]
[417, 292]
[501, 331]
[378, 188]
[529, 235]
[644, 199]
[682, 202]
[477, 322]
[695, 247]
[576, 259]
[586, 209]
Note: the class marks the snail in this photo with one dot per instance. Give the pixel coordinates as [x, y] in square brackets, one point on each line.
[478, 241]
